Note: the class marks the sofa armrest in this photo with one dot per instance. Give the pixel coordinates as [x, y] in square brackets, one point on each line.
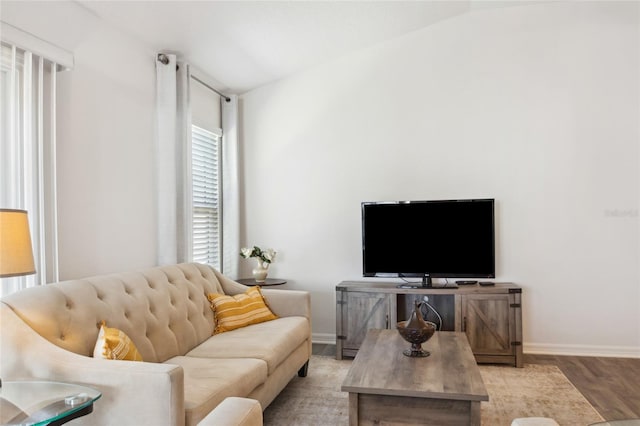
[284, 303]
[125, 385]
[288, 303]
[234, 411]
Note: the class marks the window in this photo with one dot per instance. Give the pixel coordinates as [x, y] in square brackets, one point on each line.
[27, 152]
[206, 208]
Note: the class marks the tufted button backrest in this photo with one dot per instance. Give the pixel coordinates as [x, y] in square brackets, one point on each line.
[163, 310]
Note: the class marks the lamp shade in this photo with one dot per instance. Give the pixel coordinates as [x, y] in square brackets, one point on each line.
[16, 255]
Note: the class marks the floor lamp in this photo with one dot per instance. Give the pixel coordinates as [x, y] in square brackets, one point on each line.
[16, 255]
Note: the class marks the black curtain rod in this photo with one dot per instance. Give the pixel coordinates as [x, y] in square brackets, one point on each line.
[226, 98]
[164, 59]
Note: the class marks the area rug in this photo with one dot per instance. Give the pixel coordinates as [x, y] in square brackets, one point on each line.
[532, 391]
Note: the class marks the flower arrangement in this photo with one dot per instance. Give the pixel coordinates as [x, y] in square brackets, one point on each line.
[266, 256]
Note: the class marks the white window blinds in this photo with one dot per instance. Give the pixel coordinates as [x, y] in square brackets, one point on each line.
[206, 208]
[27, 154]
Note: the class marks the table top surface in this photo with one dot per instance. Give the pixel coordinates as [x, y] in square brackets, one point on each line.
[268, 282]
[450, 372]
[40, 403]
[392, 287]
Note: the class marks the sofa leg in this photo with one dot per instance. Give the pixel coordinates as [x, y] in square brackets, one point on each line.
[303, 370]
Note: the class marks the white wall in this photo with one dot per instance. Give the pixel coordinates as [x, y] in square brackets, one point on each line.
[106, 110]
[535, 106]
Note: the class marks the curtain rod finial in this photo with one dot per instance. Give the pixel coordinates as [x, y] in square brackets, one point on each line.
[164, 59]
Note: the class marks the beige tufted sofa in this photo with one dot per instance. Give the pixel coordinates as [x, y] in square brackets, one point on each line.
[49, 332]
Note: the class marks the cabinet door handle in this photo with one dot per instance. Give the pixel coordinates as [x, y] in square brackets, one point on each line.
[387, 322]
[464, 324]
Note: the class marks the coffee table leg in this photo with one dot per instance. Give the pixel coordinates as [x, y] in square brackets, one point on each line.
[474, 414]
[353, 409]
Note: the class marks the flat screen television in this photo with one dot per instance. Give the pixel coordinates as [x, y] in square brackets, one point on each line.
[440, 239]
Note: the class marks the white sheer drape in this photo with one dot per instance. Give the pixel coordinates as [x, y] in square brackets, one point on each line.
[173, 130]
[27, 155]
[230, 188]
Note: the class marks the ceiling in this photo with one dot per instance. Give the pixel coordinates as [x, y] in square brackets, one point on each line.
[241, 45]
[246, 44]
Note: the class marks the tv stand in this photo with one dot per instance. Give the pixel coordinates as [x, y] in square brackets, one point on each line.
[436, 286]
[427, 283]
[491, 317]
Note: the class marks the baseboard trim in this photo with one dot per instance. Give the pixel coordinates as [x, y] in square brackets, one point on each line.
[323, 338]
[538, 348]
[581, 350]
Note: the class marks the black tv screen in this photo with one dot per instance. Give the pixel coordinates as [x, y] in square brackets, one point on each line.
[452, 238]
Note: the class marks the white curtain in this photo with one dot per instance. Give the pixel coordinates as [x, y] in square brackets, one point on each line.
[173, 159]
[28, 153]
[230, 188]
[173, 169]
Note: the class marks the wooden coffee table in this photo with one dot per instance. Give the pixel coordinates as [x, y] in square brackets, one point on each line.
[443, 389]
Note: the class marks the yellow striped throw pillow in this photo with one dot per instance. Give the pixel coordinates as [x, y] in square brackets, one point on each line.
[238, 311]
[115, 344]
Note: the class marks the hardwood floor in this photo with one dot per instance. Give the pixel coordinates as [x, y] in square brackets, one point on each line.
[611, 385]
[324, 350]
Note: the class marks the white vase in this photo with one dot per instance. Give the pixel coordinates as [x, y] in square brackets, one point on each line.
[260, 271]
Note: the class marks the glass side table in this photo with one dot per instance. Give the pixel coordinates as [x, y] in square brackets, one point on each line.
[44, 403]
[268, 282]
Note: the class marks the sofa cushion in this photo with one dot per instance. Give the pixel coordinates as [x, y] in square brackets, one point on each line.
[207, 382]
[271, 341]
[115, 344]
[241, 310]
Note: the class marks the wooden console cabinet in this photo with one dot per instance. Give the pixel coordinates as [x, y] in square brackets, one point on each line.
[491, 317]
